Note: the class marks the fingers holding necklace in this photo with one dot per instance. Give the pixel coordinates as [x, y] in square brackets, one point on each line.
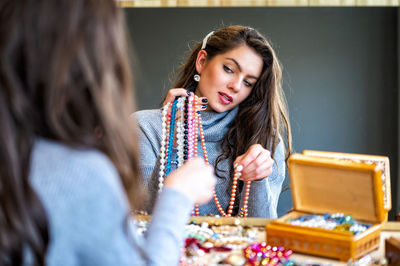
[201, 102]
[256, 162]
[173, 93]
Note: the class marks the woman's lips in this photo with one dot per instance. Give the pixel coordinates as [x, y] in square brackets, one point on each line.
[225, 98]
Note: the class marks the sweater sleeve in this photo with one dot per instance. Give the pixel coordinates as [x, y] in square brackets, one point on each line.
[166, 231]
[115, 241]
[277, 177]
[149, 122]
[148, 152]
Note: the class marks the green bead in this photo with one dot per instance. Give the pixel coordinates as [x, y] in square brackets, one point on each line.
[348, 219]
[201, 238]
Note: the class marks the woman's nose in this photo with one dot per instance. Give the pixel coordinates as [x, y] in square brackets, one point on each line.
[235, 84]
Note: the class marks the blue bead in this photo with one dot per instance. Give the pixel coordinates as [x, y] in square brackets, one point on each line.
[216, 236]
[302, 218]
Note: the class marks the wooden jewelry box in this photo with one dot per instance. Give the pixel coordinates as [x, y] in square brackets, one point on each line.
[323, 182]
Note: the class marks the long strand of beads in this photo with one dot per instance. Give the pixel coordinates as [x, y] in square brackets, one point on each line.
[163, 148]
[206, 159]
[236, 175]
[171, 138]
[185, 130]
[190, 127]
[246, 198]
[180, 130]
[196, 124]
[203, 142]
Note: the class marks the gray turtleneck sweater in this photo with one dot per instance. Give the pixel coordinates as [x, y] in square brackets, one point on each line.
[264, 194]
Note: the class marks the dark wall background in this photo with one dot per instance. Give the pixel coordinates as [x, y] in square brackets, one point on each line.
[341, 68]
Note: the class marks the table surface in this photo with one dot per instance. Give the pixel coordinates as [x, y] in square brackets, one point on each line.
[389, 229]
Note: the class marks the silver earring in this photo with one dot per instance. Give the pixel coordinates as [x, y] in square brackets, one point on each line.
[196, 77]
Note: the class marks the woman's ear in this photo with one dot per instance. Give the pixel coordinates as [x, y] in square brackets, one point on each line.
[201, 60]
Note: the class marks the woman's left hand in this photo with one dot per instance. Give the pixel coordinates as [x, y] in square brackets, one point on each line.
[256, 162]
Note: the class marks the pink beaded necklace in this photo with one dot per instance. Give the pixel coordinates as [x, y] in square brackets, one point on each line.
[194, 125]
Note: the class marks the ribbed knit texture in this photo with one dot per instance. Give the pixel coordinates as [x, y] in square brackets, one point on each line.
[88, 212]
[264, 194]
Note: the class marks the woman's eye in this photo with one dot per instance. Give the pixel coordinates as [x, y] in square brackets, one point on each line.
[248, 84]
[227, 69]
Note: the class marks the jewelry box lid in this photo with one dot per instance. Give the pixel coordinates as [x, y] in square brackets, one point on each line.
[382, 162]
[321, 185]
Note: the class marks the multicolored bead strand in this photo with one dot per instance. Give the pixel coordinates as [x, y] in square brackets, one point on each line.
[188, 126]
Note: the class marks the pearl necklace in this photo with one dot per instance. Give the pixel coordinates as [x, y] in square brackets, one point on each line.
[188, 125]
[164, 146]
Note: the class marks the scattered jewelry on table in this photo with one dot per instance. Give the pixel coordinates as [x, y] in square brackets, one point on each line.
[228, 236]
[229, 245]
[263, 254]
[210, 244]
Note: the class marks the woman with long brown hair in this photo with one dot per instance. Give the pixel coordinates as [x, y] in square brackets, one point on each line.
[237, 76]
[69, 172]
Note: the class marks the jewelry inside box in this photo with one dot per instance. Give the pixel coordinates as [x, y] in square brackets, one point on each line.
[336, 222]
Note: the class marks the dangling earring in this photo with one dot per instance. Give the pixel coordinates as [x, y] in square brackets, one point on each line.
[196, 77]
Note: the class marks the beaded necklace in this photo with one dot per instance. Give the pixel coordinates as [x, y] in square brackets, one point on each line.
[180, 135]
[188, 125]
[164, 146]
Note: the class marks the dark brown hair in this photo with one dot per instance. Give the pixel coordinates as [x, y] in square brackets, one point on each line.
[64, 76]
[263, 115]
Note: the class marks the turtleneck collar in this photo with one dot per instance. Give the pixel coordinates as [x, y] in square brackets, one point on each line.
[215, 125]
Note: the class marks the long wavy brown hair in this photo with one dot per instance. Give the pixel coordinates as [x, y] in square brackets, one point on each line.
[263, 116]
[64, 76]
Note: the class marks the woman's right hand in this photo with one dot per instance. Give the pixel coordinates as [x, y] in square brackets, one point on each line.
[195, 179]
[178, 92]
